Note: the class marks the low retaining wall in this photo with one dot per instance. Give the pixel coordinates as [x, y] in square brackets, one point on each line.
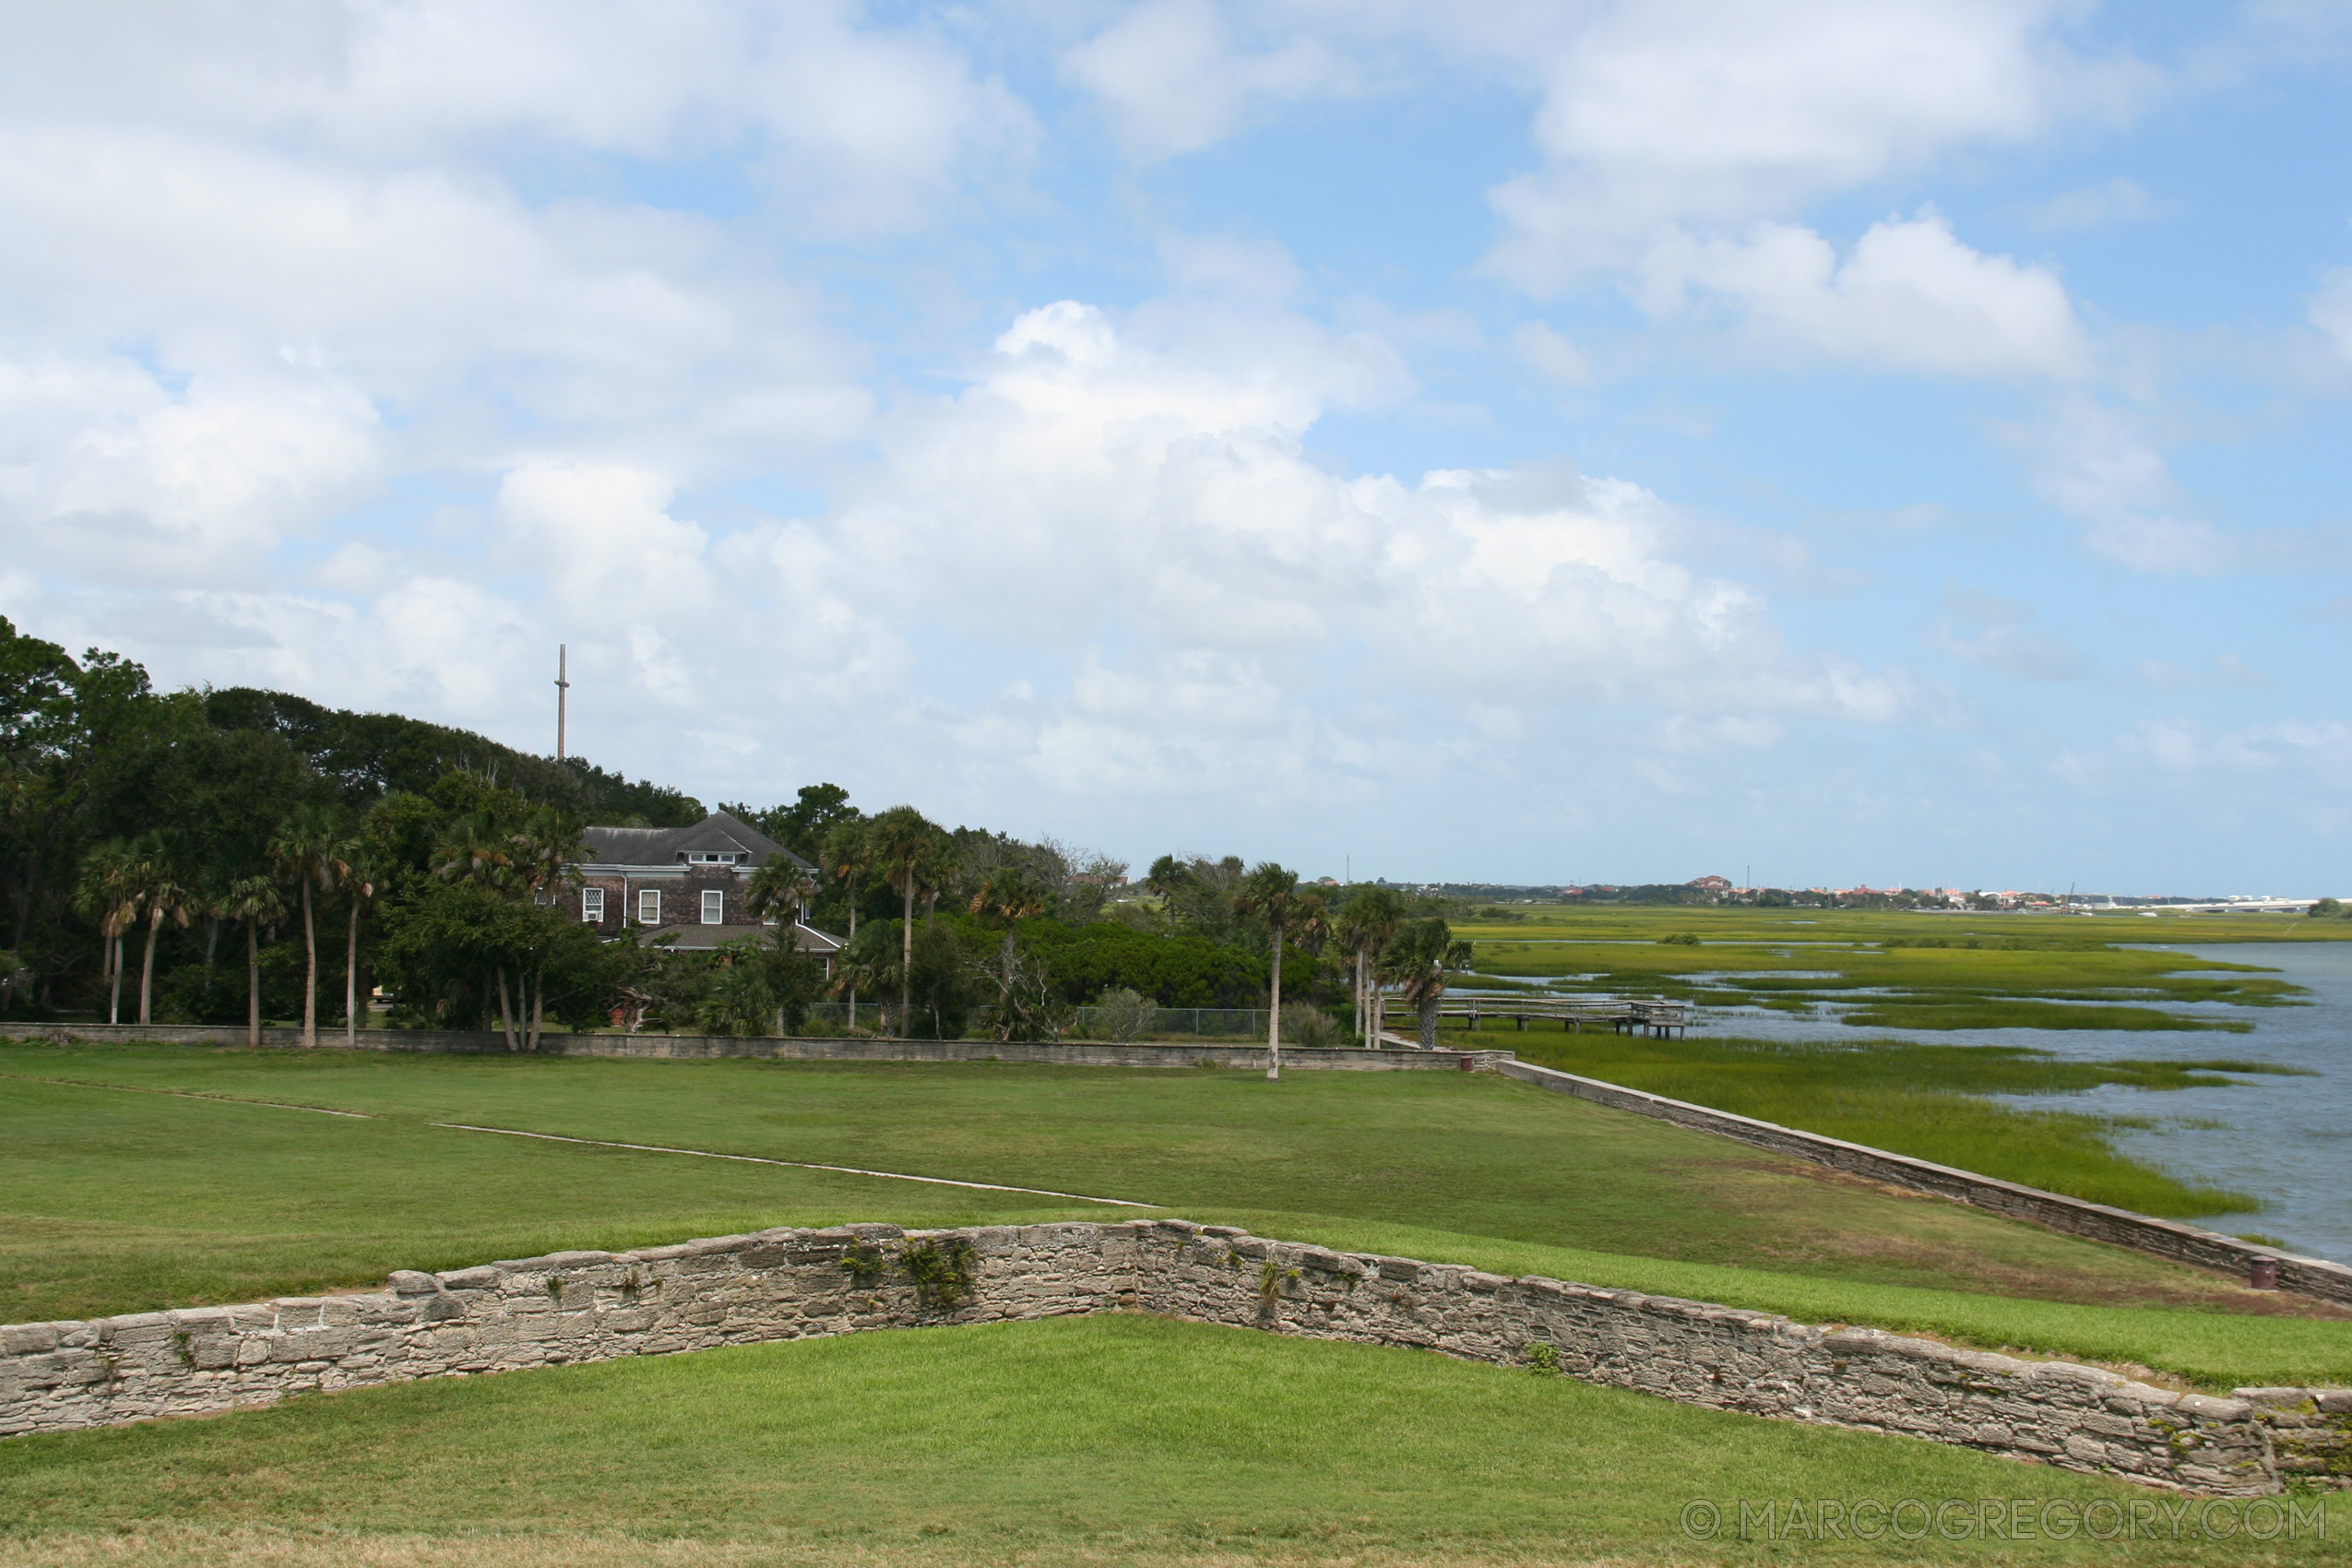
[2169, 1239]
[1063, 1053]
[790, 1284]
[2163, 1238]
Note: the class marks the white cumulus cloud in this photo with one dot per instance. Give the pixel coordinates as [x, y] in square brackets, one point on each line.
[1908, 296]
[1706, 114]
[108, 471]
[1099, 477]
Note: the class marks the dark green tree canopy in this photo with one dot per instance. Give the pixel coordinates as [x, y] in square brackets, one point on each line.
[365, 756]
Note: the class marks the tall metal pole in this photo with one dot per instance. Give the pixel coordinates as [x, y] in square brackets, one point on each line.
[562, 687]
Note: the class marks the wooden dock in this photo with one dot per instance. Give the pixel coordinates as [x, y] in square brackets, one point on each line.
[1659, 1020]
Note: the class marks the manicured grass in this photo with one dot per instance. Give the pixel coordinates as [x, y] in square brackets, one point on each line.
[117, 1199]
[1920, 1100]
[1071, 1440]
[120, 1202]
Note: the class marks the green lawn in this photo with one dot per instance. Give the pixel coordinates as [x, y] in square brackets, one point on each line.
[115, 1198]
[142, 1176]
[1069, 1441]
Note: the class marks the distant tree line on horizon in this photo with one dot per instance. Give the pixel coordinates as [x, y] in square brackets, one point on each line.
[226, 855]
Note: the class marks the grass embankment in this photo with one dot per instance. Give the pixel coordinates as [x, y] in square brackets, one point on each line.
[121, 1198]
[1925, 1100]
[1900, 970]
[2212, 1350]
[1071, 1440]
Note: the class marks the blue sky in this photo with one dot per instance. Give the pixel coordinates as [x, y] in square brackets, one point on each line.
[1887, 442]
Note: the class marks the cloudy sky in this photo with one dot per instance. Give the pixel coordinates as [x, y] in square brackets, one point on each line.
[1879, 440]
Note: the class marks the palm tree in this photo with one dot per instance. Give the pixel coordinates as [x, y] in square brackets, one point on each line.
[843, 855]
[906, 846]
[941, 870]
[513, 866]
[110, 874]
[302, 854]
[780, 890]
[1169, 877]
[1310, 924]
[1009, 895]
[1420, 957]
[163, 897]
[1270, 893]
[862, 965]
[547, 853]
[474, 850]
[1366, 922]
[254, 900]
[361, 875]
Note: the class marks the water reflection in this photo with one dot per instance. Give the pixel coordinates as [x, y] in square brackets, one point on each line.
[2289, 1140]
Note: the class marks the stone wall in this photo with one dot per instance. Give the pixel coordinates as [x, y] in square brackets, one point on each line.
[1064, 1053]
[790, 1283]
[2169, 1239]
[2079, 1216]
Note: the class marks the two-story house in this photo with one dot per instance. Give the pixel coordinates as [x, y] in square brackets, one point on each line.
[685, 885]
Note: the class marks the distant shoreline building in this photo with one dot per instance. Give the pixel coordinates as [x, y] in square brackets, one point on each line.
[683, 887]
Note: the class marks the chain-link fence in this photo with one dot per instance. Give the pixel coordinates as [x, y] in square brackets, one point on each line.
[1113, 1022]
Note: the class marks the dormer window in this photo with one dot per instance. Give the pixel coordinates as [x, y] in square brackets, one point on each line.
[711, 857]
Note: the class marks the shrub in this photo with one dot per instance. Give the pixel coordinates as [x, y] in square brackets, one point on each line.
[1306, 1024]
[1176, 970]
[1123, 1014]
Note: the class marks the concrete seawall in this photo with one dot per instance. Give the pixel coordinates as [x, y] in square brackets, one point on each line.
[2079, 1216]
[792, 1284]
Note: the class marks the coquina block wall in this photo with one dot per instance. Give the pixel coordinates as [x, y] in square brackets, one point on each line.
[790, 1284]
[2161, 1238]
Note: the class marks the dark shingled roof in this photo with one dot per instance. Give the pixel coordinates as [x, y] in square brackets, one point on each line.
[668, 846]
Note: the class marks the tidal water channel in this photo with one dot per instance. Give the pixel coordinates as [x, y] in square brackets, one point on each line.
[2285, 1140]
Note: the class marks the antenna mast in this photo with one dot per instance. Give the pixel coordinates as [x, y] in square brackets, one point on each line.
[562, 687]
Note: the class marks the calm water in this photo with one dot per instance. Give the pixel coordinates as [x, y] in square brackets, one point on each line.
[2289, 1141]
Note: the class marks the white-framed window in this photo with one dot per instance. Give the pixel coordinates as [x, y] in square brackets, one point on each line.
[714, 907]
[648, 906]
[592, 904]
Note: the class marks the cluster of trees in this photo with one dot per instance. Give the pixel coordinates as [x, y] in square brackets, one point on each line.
[149, 841]
[1012, 935]
[145, 836]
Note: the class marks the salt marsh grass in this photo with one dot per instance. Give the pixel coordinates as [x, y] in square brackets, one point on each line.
[1926, 1100]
